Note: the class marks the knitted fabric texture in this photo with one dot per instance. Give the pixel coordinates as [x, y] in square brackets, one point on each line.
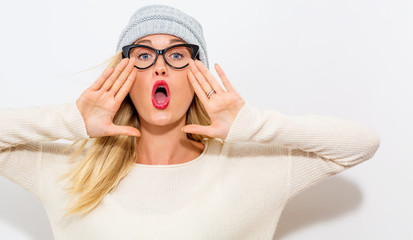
[162, 19]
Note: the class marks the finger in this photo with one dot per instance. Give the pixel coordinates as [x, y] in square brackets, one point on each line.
[124, 90]
[112, 78]
[102, 78]
[224, 79]
[124, 130]
[199, 77]
[198, 129]
[211, 79]
[197, 88]
[123, 76]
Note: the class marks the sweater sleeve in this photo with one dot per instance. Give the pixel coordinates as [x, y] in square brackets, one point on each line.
[319, 145]
[23, 132]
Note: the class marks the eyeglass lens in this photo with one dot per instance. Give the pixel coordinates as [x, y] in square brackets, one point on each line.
[176, 56]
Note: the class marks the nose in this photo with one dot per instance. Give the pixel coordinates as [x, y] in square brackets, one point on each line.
[159, 68]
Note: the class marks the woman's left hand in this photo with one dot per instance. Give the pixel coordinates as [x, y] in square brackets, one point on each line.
[222, 106]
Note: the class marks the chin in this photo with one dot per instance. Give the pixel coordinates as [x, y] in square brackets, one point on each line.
[161, 119]
[164, 118]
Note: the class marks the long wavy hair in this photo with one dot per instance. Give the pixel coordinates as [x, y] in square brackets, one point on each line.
[107, 160]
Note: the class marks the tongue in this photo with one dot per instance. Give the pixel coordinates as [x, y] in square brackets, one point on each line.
[160, 97]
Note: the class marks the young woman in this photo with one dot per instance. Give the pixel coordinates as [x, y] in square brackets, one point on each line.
[166, 152]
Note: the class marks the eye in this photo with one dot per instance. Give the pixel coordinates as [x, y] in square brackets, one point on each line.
[144, 56]
[176, 56]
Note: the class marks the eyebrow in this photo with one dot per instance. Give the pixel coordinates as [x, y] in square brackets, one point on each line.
[170, 42]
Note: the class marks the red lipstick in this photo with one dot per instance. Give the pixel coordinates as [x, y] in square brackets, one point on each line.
[160, 94]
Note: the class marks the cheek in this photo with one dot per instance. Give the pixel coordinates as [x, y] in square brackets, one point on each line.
[184, 91]
[139, 91]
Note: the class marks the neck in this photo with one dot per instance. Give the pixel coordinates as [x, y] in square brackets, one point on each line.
[164, 145]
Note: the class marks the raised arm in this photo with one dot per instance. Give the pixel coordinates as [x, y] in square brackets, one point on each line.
[32, 125]
[319, 145]
[345, 142]
[232, 119]
[22, 132]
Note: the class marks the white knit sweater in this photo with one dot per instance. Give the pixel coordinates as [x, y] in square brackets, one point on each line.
[236, 189]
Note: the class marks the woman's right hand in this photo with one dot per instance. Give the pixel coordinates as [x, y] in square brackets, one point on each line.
[99, 103]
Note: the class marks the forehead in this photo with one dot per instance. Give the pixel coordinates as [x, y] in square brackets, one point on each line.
[159, 39]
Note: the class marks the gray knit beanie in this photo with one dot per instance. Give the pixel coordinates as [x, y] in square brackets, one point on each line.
[155, 19]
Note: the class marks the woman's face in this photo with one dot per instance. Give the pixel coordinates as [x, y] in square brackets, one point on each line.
[151, 106]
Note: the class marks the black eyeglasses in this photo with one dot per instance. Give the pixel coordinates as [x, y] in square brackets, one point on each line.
[176, 56]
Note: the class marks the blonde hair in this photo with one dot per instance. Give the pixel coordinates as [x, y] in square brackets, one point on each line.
[109, 159]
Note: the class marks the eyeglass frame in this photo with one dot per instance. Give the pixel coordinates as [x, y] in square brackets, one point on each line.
[194, 53]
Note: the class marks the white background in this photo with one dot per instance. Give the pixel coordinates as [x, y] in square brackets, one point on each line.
[347, 58]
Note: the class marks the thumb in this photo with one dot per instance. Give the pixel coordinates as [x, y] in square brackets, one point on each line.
[196, 129]
[125, 130]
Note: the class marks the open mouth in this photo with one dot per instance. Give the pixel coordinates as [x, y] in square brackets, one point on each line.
[160, 94]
